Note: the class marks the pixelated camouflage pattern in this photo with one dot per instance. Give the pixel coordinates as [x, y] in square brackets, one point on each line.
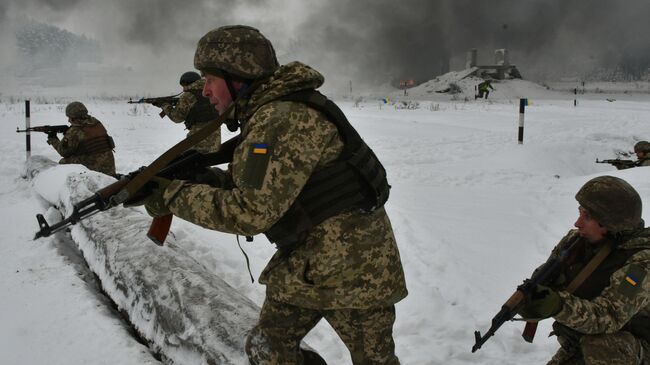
[238, 50]
[612, 202]
[603, 349]
[76, 110]
[367, 333]
[69, 147]
[348, 261]
[179, 113]
[645, 161]
[608, 312]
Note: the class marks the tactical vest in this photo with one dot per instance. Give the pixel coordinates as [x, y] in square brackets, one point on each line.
[96, 140]
[356, 180]
[202, 111]
[598, 281]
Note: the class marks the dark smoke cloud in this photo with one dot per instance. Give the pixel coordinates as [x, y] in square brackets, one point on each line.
[368, 41]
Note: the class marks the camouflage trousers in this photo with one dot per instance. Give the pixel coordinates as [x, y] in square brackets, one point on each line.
[367, 333]
[210, 144]
[620, 348]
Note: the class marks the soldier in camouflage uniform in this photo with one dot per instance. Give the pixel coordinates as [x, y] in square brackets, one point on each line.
[642, 150]
[347, 268]
[606, 319]
[86, 142]
[194, 110]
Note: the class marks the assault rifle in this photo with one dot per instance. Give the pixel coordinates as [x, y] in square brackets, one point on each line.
[172, 99]
[51, 130]
[185, 166]
[618, 163]
[543, 275]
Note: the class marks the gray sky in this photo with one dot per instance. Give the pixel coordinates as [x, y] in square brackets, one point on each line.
[369, 41]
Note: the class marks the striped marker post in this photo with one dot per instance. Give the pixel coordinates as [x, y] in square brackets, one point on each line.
[522, 109]
[28, 140]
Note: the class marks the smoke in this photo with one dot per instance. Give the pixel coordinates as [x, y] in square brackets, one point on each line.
[147, 44]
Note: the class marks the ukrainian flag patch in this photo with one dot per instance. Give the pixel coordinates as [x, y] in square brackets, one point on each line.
[260, 148]
[631, 283]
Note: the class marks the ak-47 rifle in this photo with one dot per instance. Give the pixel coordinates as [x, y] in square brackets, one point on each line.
[618, 163]
[171, 99]
[51, 130]
[543, 275]
[185, 166]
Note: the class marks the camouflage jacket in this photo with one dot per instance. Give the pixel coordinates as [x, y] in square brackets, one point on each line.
[626, 292]
[70, 147]
[645, 161]
[350, 260]
[187, 100]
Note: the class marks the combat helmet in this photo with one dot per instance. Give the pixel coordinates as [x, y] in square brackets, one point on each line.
[189, 77]
[76, 110]
[612, 202]
[236, 51]
[642, 146]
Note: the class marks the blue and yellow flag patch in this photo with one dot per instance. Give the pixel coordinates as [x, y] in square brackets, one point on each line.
[260, 148]
[631, 283]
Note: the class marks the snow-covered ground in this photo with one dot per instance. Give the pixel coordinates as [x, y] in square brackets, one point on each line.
[474, 212]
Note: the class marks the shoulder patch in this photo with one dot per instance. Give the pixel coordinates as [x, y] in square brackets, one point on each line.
[256, 165]
[633, 280]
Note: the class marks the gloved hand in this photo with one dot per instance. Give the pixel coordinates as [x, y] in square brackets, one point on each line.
[52, 139]
[214, 177]
[543, 303]
[154, 203]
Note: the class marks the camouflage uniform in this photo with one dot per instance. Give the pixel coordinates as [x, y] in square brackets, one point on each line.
[75, 147]
[602, 321]
[183, 108]
[347, 271]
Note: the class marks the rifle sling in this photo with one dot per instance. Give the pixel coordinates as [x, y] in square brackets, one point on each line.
[531, 326]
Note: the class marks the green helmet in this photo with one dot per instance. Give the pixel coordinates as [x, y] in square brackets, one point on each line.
[188, 78]
[642, 146]
[237, 50]
[612, 202]
[76, 110]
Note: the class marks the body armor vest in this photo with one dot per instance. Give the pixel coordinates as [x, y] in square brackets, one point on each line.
[96, 140]
[355, 180]
[598, 281]
[202, 111]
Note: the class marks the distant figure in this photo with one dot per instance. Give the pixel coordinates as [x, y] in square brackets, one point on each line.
[642, 150]
[194, 110]
[86, 142]
[484, 89]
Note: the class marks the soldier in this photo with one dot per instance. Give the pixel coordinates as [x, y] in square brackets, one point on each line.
[483, 89]
[605, 318]
[642, 150]
[294, 178]
[194, 110]
[86, 142]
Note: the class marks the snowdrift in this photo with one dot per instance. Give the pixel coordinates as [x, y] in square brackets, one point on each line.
[185, 313]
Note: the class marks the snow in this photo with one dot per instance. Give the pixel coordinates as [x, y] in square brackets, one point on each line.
[474, 213]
